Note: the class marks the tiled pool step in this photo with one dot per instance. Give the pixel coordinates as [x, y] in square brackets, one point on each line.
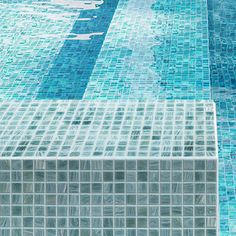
[79, 168]
[107, 129]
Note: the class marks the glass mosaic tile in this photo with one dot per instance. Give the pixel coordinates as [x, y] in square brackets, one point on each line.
[77, 203]
[48, 48]
[108, 129]
[222, 28]
[166, 42]
[154, 50]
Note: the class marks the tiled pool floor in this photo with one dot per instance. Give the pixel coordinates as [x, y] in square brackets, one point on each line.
[47, 45]
[53, 58]
[30, 39]
[222, 28]
[154, 50]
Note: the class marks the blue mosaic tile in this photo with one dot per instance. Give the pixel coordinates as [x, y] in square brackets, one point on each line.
[71, 69]
[222, 30]
[49, 48]
[154, 50]
[43, 60]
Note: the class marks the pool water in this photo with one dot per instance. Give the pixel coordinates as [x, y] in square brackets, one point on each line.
[154, 50]
[78, 54]
[222, 28]
[47, 45]
[128, 50]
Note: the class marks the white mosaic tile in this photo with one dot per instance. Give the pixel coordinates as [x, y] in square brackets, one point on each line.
[108, 129]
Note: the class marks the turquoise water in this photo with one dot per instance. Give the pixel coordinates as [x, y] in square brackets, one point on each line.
[73, 65]
[31, 34]
[135, 50]
[154, 50]
[49, 48]
[222, 28]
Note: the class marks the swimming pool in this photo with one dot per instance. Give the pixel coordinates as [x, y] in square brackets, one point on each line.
[53, 59]
[223, 84]
[48, 45]
[127, 50]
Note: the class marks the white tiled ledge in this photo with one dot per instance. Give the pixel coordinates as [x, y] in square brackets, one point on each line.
[108, 129]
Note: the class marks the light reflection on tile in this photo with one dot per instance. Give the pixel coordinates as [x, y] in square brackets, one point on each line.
[106, 129]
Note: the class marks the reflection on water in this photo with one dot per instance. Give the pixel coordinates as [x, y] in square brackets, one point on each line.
[154, 49]
[33, 34]
[72, 67]
[82, 36]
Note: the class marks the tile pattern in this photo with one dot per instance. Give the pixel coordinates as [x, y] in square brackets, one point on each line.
[108, 197]
[48, 48]
[107, 129]
[175, 32]
[27, 52]
[154, 50]
[72, 67]
[222, 28]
